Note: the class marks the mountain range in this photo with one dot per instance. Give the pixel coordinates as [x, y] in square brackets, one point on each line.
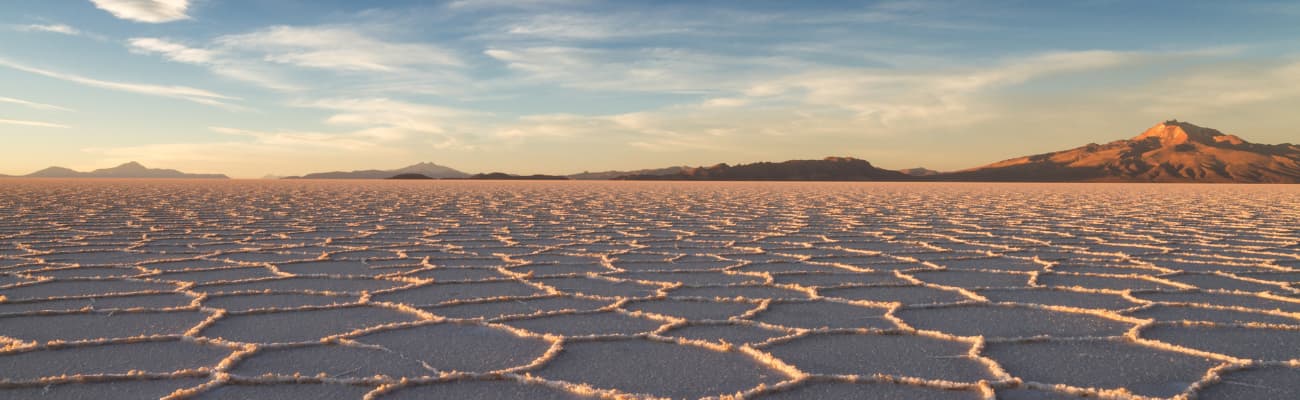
[828, 169]
[129, 170]
[1170, 151]
[428, 169]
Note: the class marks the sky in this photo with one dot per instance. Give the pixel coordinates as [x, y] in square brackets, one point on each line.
[252, 88]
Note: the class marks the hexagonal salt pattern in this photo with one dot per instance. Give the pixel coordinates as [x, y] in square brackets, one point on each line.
[492, 290]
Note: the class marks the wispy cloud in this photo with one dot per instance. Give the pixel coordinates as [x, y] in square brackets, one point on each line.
[150, 11]
[177, 92]
[51, 28]
[336, 48]
[172, 50]
[32, 104]
[38, 124]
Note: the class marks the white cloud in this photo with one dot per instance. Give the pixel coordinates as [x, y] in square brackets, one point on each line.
[52, 28]
[150, 11]
[38, 124]
[335, 48]
[177, 92]
[172, 50]
[32, 104]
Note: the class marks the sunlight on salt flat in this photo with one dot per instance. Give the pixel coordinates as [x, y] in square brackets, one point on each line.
[397, 290]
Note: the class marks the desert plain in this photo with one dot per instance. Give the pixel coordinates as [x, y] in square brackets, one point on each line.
[574, 290]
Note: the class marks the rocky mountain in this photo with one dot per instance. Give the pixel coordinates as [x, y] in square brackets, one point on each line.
[587, 176]
[1171, 151]
[426, 168]
[129, 170]
[827, 169]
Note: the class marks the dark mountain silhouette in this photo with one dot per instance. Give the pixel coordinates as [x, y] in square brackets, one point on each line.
[427, 169]
[615, 174]
[1171, 151]
[409, 176]
[505, 176]
[828, 169]
[919, 171]
[129, 170]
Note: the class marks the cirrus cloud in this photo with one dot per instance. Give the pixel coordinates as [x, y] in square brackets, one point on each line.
[149, 11]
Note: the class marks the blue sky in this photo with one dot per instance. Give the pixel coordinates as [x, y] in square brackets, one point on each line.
[284, 87]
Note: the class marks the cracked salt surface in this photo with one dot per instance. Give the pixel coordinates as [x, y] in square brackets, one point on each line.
[488, 290]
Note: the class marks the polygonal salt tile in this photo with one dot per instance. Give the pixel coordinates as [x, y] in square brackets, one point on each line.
[791, 267]
[1224, 316]
[659, 369]
[115, 389]
[1058, 297]
[540, 270]
[908, 295]
[825, 314]
[730, 333]
[501, 308]
[164, 300]
[433, 294]
[599, 287]
[1010, 322]
[1212, 282]
[884, 391]
[317, 391]
[1223, 299]
[158, 357]
[991, 263]
[457, 274]
[690, 278]
[973, 279]
[268, 257]
[301, 325]
[253, 301]
[330, 360]
[215, 275]
[1255, 383]
[316, 284]
[187, 265]
[600, 323]
[890, 354]
[482, 390]
[673, 266]
[1102, 364]
[1241, 342]
[839, 279]
[84, 326]
[54, 289]
[351, 268]
[460, 347]
[691, 309]
[1100, 282]
[737, 292]
[1033, 394]
[87, 272]
[104, 258]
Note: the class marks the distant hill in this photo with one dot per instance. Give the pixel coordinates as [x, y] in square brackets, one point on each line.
[129, 170]
[828, 169]
[587, 176]
[505, 176]
[409, 176]
[919, 171]
[426, 168]
[1170, 151]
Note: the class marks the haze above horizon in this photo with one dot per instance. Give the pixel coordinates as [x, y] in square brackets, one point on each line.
[287, 87]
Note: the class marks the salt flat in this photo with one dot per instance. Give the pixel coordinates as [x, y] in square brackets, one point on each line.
[566, 290]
